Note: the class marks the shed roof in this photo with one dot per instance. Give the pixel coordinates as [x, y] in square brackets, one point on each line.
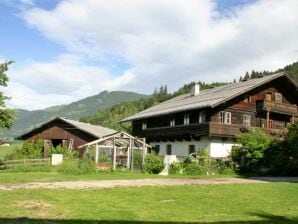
[206, 98]
[94, 130]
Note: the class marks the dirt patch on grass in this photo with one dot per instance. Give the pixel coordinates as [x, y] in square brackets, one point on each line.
[37, 207]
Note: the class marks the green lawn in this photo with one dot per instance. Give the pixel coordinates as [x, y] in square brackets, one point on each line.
[246, 203]
[23, 177]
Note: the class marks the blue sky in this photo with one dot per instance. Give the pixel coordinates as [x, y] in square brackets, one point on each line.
[68, 50]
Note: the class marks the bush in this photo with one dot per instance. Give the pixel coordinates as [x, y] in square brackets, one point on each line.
[193, 169]
[176, 168]
[220, 166]
[153, 164]
[67, 152]
[30, 150]
[253, 145]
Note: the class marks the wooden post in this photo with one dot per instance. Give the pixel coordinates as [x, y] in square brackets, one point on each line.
[128, 154]
[96, 153]
[132, 149]
[267, 119]
[114, 154]
[144, 152]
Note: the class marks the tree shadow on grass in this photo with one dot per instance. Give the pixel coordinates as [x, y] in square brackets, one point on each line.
[266, 219]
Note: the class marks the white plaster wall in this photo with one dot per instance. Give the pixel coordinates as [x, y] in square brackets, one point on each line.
[181, 148]
[217, 146]
[220, 148]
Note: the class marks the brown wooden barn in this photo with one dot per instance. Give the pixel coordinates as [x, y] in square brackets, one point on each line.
[65, 132]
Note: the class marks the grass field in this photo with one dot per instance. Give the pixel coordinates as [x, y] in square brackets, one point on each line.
[24, 177]
[247, 203]
[6, 150]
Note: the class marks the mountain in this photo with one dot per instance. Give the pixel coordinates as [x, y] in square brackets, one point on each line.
[25, 120]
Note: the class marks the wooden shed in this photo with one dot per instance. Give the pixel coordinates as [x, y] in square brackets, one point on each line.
[65, 132]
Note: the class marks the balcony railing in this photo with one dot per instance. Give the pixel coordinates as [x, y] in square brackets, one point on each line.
[196, 130]
[277, 107]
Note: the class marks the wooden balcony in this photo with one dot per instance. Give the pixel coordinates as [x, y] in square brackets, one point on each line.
[282, 108]
[196, 130]
[176, 132]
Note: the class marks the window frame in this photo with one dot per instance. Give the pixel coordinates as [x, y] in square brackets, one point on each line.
[279, 97]
[169, 149]
[191, 150]
[144, 125]
[227, 118]
[202, 114]
[246, 122]
[186, 120]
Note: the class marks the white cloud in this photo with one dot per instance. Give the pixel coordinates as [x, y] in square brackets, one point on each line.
[169, 41]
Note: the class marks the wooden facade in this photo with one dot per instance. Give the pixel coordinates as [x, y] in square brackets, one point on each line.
[271, 107]
[58, 132]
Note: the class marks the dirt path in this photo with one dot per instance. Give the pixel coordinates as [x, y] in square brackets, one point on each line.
[139, 183]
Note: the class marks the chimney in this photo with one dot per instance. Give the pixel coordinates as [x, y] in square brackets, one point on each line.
[195, 90]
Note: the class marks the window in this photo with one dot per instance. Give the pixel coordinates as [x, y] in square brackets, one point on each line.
[269, 96]
[169, 149]
[156, 148]
[246, 120]
[144, 125]
[186, 119]
[222, 117]
[278, 98]
[191, 149]
[202, 117]
[228, 117]
[172, 122]
[270, 124]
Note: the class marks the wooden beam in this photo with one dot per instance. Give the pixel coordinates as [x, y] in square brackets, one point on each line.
[96, 154]
[114, 154]
[267, 119]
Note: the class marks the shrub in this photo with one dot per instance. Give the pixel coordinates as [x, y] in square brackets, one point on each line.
[221, 166]
[29, 168]
[67, 152]
[153, 164]
[30, 150]
[253, 144]
[193, 169]
[176, 168]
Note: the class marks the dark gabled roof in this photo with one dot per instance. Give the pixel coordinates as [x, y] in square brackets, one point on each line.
[207, 98]
[94, 130]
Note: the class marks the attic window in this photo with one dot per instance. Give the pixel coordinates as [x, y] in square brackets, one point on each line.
[269, 96]
[278, 97]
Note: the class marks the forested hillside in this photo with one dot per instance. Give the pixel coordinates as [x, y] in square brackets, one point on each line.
[110, 117]
[25, 120]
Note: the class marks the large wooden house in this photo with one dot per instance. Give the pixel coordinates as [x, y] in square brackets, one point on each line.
[212, 118]
[66, 133]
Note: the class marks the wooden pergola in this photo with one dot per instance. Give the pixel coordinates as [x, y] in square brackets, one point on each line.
[119, 145]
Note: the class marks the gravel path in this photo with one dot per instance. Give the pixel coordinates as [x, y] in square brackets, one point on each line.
[140, 182]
